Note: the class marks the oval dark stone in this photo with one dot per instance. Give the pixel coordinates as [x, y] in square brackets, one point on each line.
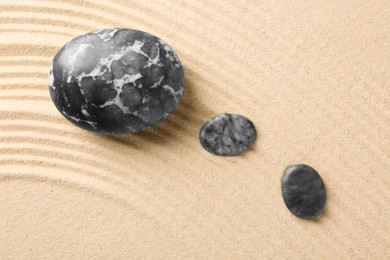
[227, 134]
[116, 81]
[303, 191]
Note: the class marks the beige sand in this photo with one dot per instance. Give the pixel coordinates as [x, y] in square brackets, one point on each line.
[314, 78]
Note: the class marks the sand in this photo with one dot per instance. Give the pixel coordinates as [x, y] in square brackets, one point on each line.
[313, 77]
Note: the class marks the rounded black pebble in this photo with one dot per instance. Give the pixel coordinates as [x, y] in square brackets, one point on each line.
[227, 134]
[116, 81]
[303, 191]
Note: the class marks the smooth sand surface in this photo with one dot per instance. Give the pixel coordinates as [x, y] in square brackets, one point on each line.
[314, 77]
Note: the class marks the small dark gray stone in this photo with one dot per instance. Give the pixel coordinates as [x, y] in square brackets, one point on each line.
[116, 81]
[227, 134]
[303, 191]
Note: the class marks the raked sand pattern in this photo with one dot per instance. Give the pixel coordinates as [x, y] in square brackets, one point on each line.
[314, 79]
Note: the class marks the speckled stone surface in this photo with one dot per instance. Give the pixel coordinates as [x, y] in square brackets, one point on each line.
[116, 81]
[303, 191]
[227, 134]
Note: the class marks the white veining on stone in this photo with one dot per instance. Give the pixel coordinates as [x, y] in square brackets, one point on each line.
[118, 83]
[155, 85]
[72, 59]
[174, 93]
[85, 112]
[106, 34]
[51, 78]
[156, 60]
[93, 124]
[170, 54]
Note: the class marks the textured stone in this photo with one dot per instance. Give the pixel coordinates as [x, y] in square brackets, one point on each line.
[303, 191]
[227, 134]
[116, 81]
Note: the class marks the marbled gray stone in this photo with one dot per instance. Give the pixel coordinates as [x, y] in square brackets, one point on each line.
[227, 134]
[303, 191]
[116, 81]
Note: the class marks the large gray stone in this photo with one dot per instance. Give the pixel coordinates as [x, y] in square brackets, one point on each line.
[116, 81]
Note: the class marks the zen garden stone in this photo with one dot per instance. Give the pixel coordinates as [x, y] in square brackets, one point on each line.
[227, 134]
[116, 81]
[303, 191]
